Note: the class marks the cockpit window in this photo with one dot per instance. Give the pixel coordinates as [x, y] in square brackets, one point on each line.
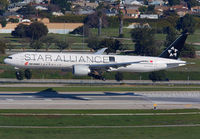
[9, 57]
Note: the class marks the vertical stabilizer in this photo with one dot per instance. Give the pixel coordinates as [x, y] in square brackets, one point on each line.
[173, 51]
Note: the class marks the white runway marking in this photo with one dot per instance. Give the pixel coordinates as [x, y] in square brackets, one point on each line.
[9, 99]
[48, 99]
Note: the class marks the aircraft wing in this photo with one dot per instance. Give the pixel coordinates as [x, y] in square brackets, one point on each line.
[114, 65]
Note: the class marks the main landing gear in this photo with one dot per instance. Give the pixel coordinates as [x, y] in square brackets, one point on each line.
[20, 75]
[97, 75]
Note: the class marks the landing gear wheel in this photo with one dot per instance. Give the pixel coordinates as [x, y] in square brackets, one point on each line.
[27, 74]
[103, 78]
[19, 75]
[99, 77]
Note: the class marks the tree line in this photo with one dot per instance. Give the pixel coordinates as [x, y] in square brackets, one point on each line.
[36, 34]
[145, 43]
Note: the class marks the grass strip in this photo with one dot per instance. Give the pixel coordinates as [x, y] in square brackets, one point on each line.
[121, 133]
[106, 111]
[94, 88]
[83, 120]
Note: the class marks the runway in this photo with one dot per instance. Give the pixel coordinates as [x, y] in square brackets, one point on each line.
[50, 99]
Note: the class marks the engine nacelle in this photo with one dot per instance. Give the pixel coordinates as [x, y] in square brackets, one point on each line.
[81, 70]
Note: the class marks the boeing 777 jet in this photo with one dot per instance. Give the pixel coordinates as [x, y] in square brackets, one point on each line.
[95, 64]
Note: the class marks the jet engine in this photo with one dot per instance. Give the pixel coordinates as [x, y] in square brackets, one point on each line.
[81, 70]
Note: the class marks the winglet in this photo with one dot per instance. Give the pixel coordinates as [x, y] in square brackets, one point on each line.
[100, 52]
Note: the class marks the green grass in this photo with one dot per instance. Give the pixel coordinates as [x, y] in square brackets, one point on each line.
[193, 38]
[197, 47]
[121, 133]
[100, 88]
[83, 120]
[98, 133]
[104, 111]
[160, 37]
[100, 120]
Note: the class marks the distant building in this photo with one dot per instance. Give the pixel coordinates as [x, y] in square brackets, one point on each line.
[156, 2]
[132, 2]
[175, 7]
[195, 9]
[149, 16]
[15, 6]
[160, 9]
[57, 13]
[111, 12]
[85, 11]
[33, 1]
[41, 8]
[138, 25]
[26, 21]
[131, 13]
[85, 4]
[181, 10]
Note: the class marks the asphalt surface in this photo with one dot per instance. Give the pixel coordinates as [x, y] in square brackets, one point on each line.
[50, 99]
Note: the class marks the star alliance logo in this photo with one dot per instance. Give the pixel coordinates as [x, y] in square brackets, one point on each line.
[172, 52]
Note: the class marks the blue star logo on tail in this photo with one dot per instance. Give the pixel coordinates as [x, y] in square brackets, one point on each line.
[172, 52]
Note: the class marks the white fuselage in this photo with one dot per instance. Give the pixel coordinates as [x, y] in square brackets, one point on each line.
[65, 61]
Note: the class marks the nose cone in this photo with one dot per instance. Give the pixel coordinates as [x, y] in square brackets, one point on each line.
[6, 61]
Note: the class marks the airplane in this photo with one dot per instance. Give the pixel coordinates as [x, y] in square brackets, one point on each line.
[95, 64]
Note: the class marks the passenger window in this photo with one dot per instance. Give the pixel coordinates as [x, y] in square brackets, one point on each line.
[112, 59]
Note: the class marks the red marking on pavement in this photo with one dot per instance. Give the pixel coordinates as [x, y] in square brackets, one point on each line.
[26, 64]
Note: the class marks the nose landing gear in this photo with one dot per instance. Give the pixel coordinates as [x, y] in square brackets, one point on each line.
[19, 75]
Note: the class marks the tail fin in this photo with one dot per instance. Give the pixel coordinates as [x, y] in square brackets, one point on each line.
[173, 51]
